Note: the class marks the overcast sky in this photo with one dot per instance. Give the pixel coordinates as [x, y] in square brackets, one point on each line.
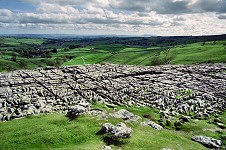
[123, 17]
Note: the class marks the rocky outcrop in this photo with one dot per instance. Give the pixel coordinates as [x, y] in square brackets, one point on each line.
[181, 89]
[126, 115]
[76, 110]
[107, 127]
[208, 141]
[152, 124]
[118, 131]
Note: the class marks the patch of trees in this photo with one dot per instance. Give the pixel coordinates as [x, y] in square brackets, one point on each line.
[54, 50]
[163, 58]
[160, 41]
[74, 46]
[57, 61]
[35, 52]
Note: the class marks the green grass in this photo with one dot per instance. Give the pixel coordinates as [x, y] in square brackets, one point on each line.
[132, 56]
[49, 131]
[91, 58]
[189, 54]
[20, 41]
[55, 131]
[100, 52]
[6, 65]
[196, 53]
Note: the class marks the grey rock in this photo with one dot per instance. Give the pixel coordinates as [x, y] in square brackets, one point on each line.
[152, 124]
[208, 141]
[8, 116]
[1, 117]
[10, 110]
[107, 127]
[118, 131]
[154, 86]
[221, 125]
[217, 120]
[124, 114]
[25, 99]
[77, 110]
[121, 131]
[106, 147]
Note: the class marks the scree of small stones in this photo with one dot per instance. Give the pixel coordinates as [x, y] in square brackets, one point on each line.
[174, 90]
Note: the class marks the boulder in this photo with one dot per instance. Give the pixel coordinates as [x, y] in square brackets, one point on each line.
[106, 147]
[76, 111]
[107, 127]
[152, 124]
[208, 141]
[124, 114]
[118, 131]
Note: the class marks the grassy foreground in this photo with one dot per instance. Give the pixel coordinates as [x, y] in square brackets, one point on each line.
[55, 131]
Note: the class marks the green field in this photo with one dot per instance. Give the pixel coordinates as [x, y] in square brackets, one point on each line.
[196, 53]
[19, 41]
[30, 53]
[55, 131]
[189, 54]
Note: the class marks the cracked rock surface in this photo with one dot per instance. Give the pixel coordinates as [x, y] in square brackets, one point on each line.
[180, 89]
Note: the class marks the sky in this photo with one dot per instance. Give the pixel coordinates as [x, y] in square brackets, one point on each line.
[120, 17]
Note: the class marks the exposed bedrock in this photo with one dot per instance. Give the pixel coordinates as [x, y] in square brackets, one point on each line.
[181, 89]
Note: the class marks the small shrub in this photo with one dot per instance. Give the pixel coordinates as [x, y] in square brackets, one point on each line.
[149, 116]
[177, 125]
[156, 60]
[168, 122]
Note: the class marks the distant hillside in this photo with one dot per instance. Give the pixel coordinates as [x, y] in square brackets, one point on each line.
[32, 51]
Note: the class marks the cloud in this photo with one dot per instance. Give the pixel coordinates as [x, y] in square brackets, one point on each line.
[6, 16]
[55, 8]
[160, 7]
[222, 16]
[77, 17]
[143, 16]
[218, 6]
